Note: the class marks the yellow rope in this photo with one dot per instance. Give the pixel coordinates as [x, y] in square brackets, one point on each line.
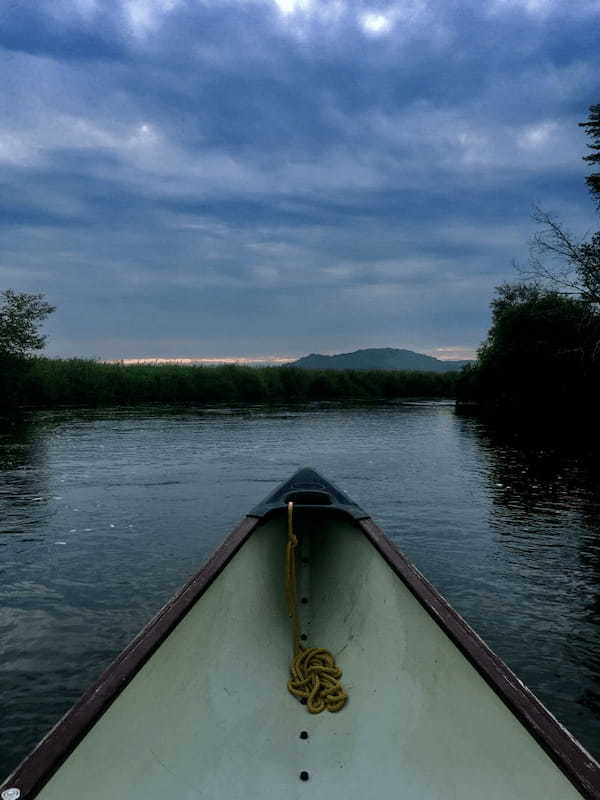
[315, 675]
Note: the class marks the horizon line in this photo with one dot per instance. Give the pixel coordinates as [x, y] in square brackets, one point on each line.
[441, 354]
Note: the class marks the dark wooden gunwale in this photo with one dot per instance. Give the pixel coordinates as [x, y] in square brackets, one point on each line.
[572, 759]
[35, 771]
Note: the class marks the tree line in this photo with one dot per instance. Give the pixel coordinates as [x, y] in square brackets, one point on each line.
[541, 357]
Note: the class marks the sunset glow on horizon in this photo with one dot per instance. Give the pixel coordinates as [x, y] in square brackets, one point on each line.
[441, 353]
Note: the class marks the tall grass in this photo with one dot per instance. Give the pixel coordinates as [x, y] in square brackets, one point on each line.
[53, 382]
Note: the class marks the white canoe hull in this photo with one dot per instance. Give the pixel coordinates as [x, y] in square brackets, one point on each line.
[208, 715]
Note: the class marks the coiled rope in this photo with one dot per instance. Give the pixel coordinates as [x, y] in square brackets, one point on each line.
[315, 677]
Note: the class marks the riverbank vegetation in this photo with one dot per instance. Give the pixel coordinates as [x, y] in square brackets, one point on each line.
[60, 382]
[541, 358]
[21, 315]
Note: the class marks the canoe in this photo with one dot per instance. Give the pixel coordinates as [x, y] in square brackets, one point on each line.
[198, 705]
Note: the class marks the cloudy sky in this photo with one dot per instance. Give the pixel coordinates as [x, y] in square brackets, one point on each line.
[275, 177]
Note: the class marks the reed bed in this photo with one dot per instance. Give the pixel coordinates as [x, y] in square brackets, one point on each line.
[56, 382]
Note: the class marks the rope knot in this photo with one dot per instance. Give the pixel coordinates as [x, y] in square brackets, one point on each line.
[316, 678]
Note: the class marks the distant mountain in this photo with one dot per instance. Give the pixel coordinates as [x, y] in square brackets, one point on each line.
[378, 358]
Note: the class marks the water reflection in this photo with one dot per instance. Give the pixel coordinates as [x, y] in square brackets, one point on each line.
[545, 512]
[24, 490]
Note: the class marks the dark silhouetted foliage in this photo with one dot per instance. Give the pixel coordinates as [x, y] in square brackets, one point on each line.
[541, 355]
[20, 318]
[54, 382]
[592, 128]
[541, 358]
[556, 259]
[21, 315]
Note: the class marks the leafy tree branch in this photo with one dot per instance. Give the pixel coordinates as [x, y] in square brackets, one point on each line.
[21, 315]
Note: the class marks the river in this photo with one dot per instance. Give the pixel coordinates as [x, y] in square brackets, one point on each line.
[103, 514]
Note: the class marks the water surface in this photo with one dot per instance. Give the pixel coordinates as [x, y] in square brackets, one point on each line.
[103, 514]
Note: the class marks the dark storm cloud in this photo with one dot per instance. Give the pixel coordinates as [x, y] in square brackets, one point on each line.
[55, 29]
[188, 178]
